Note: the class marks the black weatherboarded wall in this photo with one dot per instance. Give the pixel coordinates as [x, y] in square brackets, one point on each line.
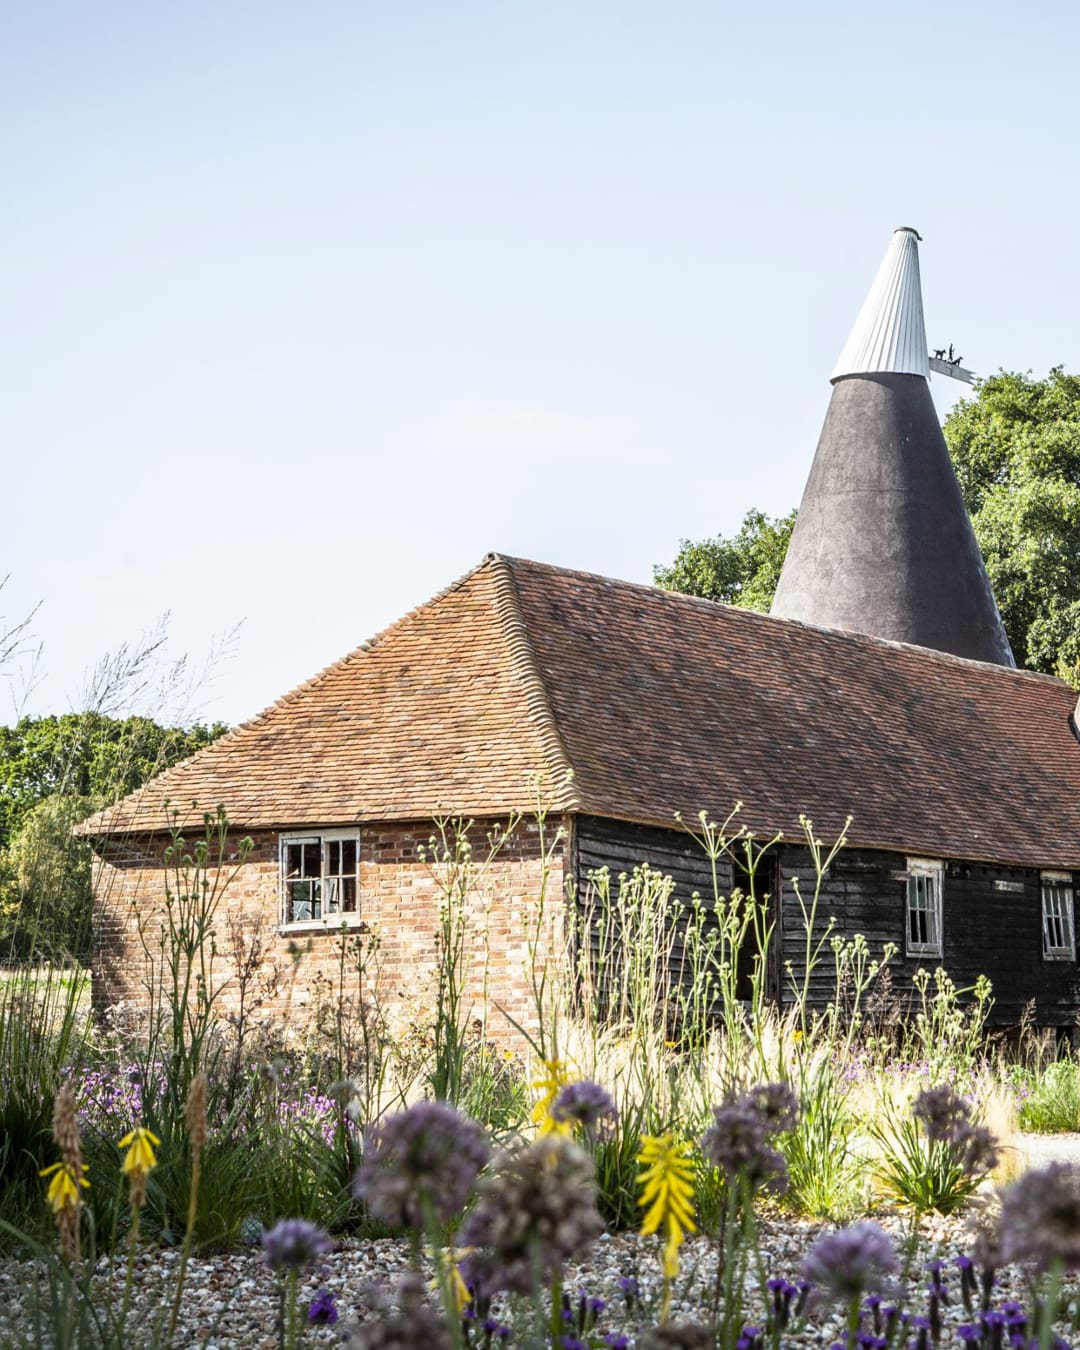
[991, 915]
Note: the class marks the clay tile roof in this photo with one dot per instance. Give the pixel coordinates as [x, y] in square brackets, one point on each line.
[635, 703]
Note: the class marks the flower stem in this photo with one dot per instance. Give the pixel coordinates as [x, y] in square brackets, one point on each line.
[133, 1242]
[189, 1233]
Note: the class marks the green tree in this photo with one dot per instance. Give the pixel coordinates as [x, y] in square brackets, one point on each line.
[742, 570]
[1016, 449]
[53, 772]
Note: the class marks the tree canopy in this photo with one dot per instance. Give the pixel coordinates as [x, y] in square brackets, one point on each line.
[54, 771]
[1016, 449]
[742, 570]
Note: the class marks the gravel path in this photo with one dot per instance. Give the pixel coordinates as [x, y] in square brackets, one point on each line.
[231, 1301]
[1040, 1149]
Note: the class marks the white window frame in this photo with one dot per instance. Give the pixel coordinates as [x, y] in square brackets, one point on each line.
[925, 883]
[1056, 908]
[330, 914]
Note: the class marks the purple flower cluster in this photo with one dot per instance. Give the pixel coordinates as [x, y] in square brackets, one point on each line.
[294, 1244]
[110, 1101]
[1009, 1326]
[312, 1109]
[584, 1103]
[420, 1165]
[536, 1213]
[946, 1118]
[739, 1140]
[322, 1310]
[852, 1261]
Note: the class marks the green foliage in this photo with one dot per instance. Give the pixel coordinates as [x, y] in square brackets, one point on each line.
[53, 772]
[742, 570]
[826, 1174]
[1052, 1105]
[40, 1038]
[1016, 450]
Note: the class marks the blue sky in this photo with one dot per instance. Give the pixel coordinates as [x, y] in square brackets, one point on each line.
[303, 309]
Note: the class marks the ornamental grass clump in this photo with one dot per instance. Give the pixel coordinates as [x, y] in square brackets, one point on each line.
[938, 1157]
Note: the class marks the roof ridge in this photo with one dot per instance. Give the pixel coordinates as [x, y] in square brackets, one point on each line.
[512, 618]
[847, 634]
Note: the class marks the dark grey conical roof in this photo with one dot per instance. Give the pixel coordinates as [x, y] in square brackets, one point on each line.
[883, 544]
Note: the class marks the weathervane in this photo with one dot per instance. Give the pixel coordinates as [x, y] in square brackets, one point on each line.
[950, 365]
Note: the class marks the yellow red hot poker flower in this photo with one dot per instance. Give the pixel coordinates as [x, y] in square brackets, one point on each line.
[666, 1178]
[63, 1192]
[138, 1160]
[555, 1076]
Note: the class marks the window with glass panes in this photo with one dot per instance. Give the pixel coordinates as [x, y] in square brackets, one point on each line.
[1059, 938]
[923, 928]
[319, 877]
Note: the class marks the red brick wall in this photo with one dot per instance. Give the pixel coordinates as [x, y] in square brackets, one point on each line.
[287, 978]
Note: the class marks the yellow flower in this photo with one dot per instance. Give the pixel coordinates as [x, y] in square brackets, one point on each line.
[555, 1077]
[448, 1261]
[666, 1179]
[139, 1158]
[63, 1192]
[796, 1036]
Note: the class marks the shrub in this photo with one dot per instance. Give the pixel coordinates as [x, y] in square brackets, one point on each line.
[1052, 1105]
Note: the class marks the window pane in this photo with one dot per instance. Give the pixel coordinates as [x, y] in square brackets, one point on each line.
[1057, 910]
[303, 901]
[312, 860]
[348, 895]
[333, 858]
[348, 857]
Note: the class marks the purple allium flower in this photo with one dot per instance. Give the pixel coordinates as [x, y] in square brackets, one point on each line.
[294, 1244]
[942, 1112]
[946, 1118]
[777, 1105]
[1040, 1217]
[852, 1260]
[586, 1103]
[534, 1214]
[322, 1310]
[420, 1165]
[737, 1143]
